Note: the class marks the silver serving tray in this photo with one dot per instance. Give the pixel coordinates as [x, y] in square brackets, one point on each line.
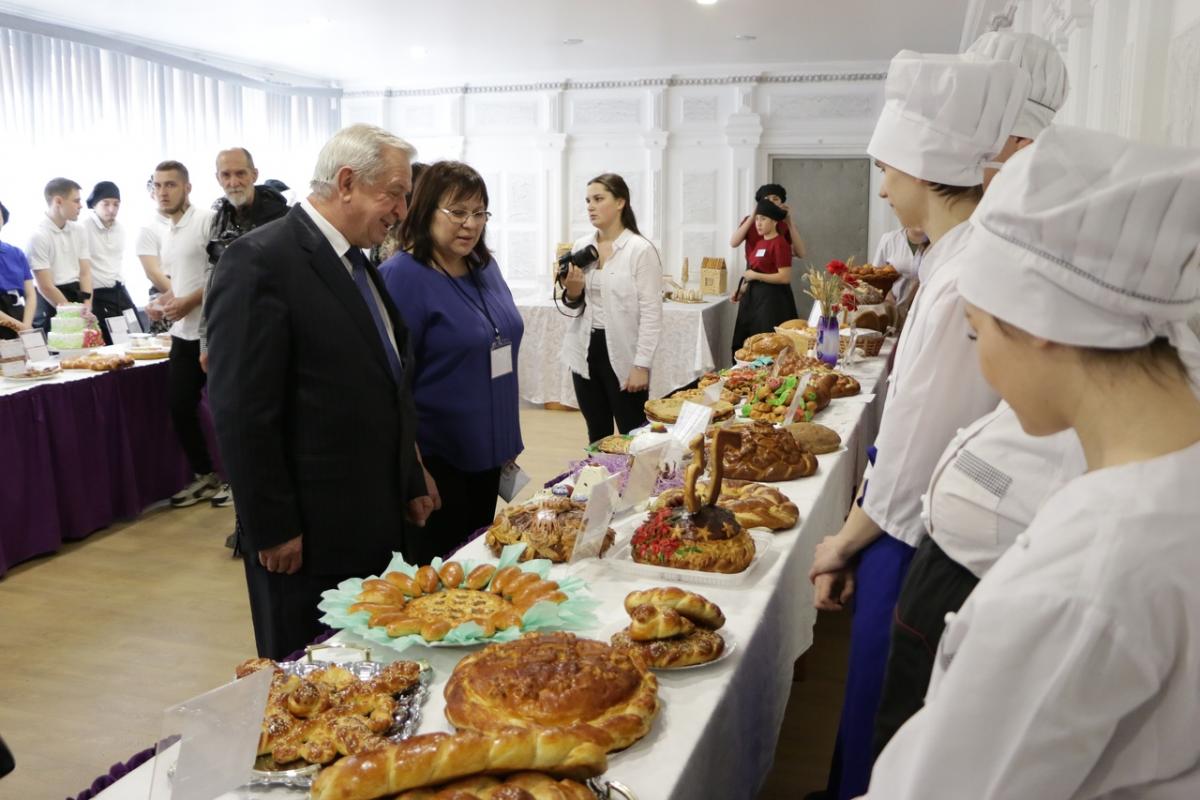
[610, 790]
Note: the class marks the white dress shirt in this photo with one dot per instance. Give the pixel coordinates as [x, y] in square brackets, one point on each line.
[184, 258]
[989, 484]
[57, 249]
[341, 245]
[107, 248]
[1072, 670]
[895, 249]
[632, 300]
[935, 388]
[149, 238]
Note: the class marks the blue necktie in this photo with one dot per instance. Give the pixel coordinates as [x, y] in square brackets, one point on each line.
[363, 281]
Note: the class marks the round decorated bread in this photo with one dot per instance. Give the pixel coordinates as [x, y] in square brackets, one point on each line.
[616, 444]
[554, 680]
[767, 453]
[795, 325]
[754, 505]
[766, 344]
[698, 647]
[815, 438]
[710, 540]
[666, 409]
[547, 527]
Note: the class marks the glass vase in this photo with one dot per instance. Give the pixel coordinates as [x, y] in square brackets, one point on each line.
[828, 339]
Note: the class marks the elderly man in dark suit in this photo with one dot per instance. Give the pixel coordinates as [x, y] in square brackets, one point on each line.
[309, 381]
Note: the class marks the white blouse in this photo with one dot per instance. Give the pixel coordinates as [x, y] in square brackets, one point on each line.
[936, 387]
[631, 296]
[1072, 670]
[989, 484]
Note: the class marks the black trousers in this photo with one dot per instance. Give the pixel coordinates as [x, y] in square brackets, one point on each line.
[283, 608]
[935, 585]
[46, 310]
[600, 396]
[468, 504]
[184, 384]
[14, 309]
[110, 302]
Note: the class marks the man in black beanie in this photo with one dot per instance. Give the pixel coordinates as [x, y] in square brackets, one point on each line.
[106, 243]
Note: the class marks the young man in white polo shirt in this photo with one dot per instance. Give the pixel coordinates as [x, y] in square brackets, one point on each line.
[106, 244]
[184, 259]
[58, 253]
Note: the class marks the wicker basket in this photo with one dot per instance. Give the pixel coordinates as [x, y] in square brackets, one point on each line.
[803, 339]
[870, 342]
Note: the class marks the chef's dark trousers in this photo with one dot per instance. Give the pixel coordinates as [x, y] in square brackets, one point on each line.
[283, 607]
[46, 310]
[110, 302]
[600, 396]
[185, 381]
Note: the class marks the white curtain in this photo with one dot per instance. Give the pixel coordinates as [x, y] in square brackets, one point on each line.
[91, 113]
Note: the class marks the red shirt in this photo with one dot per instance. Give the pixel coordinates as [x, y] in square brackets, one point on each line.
[752, 237]
[769, 255]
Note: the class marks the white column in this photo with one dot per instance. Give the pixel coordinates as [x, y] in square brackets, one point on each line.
[1106, 81]
[743, 133]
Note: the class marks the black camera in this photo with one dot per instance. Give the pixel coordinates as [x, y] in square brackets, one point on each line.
[580, 258]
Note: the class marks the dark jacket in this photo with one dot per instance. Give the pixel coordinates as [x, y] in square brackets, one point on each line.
[315, 434]
[268, 206]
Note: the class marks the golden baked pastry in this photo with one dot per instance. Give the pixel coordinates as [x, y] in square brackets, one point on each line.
[666, 409]
[698, 647]
[695, 394]
[657, 622]
[328, 713]
[617, 444]
[697, 608]
[795, 325]
[763, 344]
[424, 605]
[700, 535]
[842, 385]
[97, 362]
[755, 505]
[766, 453]
[547, 527]
[816, 439]
[435, 758]
[554, 680]
[519, 786]
[789, 362]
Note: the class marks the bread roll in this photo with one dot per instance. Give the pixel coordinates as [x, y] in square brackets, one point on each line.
[436, 758]
[698, 609]
[656, 622]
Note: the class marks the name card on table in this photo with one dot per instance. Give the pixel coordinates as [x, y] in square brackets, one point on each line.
[712, 392]
[132, 323]
[34, 342]
[596, 519]
[212, 741]
[512, 481]
[118, 329]
[642, 477]
[12, 357]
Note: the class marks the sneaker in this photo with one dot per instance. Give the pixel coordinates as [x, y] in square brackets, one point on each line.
[204, 487]
[223, 498]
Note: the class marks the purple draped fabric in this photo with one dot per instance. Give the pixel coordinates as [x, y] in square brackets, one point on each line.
[114, 774]
[82, 455]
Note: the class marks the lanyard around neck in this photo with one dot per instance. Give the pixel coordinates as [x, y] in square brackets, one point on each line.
[481, 306]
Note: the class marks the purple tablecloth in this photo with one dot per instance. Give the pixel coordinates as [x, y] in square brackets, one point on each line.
[80, 455]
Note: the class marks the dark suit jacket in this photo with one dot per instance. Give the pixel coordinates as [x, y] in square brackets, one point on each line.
[316, 436]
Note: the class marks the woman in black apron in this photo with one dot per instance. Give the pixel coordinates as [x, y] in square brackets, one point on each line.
[764, 295]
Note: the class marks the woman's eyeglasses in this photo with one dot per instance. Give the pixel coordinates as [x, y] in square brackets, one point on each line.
[460, 217]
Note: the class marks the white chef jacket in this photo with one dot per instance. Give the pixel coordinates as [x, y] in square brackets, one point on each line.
[107, 248]
[184, 258]
[989, 484]
[894, 249]
[58, 250]
[935, 388]
[1072, 670]
[632, 287]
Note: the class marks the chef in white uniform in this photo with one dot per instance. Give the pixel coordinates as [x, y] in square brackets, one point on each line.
[943, 117]
[903, 249]
[1072, 670]
[993, 477]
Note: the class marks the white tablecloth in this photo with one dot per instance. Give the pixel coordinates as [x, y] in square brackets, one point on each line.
[690, 345]
[716, 733]
[12, 386]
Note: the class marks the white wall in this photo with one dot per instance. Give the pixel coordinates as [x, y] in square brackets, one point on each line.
[693, 150]
[1134, 64]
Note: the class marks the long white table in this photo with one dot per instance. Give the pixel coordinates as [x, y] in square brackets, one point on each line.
[716, 733]
[693, 342]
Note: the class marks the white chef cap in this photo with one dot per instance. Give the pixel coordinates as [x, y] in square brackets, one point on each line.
[944, 115]
[1091, 240]
[1045, 67]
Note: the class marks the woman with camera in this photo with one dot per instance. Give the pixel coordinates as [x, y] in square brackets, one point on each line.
[611, 342]
[465, 331]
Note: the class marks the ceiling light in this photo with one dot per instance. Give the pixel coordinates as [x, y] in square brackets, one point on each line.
[707, 2]
[745, 37]
[417, 52]
[570, 42]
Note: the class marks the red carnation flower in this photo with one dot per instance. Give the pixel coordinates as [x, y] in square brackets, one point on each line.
[836, 267]
[849, 302]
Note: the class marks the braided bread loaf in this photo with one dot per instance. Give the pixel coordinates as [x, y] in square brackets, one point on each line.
[435, 758]
[755, 505]
[519, 786]
[767, 453]
[697, 608]
[656, 622]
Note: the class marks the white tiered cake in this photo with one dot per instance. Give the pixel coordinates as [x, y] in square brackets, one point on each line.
[68, 330]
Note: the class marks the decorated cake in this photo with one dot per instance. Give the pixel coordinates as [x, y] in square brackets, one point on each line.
[69, 330]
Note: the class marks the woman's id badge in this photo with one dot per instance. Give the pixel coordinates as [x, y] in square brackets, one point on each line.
[502, 360]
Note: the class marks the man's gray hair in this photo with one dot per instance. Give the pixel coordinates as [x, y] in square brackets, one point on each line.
[361, 148]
